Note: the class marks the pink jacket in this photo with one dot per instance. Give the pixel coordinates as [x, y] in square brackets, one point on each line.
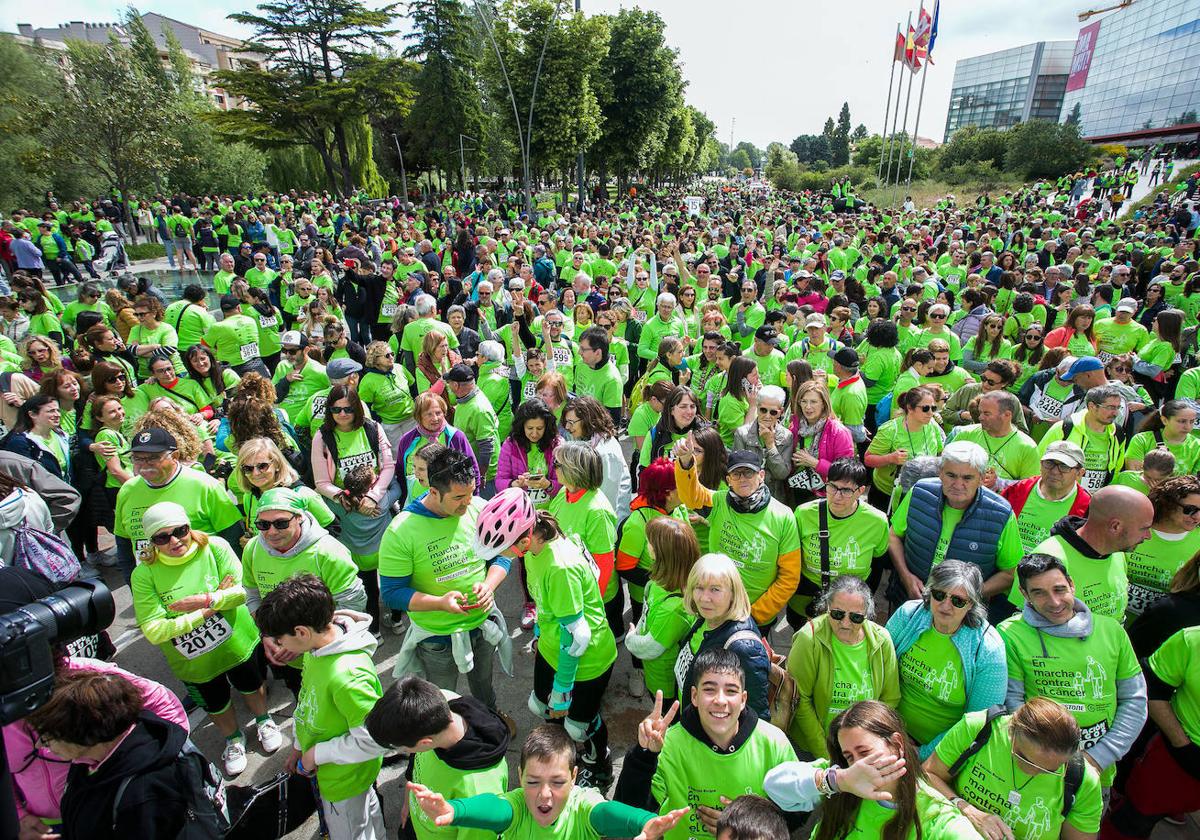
[324, 471]
[39, 778]
[514, 461]
[835, 443]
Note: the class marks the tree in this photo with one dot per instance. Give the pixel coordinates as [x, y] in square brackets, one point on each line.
[753, 154]
[640, 91]
[706, 151]
[740, 159]
[840, 140]
[972, 144]
[1076, 115]
[144, 51]
[1039, 149]
[811, 149]
[1186, 118]
[448, 101]
[859, 134]
[320, 52]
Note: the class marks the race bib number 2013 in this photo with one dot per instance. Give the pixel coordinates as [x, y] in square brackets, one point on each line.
[203, 639]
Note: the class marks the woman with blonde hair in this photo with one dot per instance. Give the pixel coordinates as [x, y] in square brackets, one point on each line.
[383, 387]
[261, 466]
[819, 440]
[716, 599]
[42, 356]
[189, 600]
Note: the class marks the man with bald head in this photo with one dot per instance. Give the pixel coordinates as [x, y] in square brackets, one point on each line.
[1093, 548]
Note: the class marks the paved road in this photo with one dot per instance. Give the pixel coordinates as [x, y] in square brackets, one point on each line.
[1142, 188]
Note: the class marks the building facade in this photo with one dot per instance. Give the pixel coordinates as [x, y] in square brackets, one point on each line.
[1001, 89]
[1136, 72]
[207, 51]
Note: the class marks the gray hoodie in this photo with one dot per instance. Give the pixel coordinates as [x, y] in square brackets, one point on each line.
[354, 636]
[353, 597]
[1130, 715]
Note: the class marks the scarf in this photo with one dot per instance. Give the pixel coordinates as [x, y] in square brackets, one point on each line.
[753, 503]
[426, 365]
[815, 430]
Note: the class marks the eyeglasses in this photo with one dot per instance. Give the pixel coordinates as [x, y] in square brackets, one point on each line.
[1190, 510]
[933, 317]
[340, 409]
[1057, 466]
[959, 602]
[838, 615]
[774, 412]
[839, 490]
[908, 309]
[924, 408]
[1035, 766]
[164, 537]
[248, 469]
[993, 382]
[277, 524]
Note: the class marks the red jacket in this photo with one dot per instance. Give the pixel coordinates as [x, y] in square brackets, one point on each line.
[1018, 492]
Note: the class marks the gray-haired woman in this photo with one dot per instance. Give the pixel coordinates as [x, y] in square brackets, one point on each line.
[951, 660]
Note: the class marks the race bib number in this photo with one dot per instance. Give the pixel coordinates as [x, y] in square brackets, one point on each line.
[249, 351]
[1105, 357]
[639, 316]
[806, 479]
[204, 639]
[351, 462]
[1093, 480]
[267, 321]
[1140, 598]
[1089, 736]
[88, 646]
[539, 497]
[683, 664]
[529, 391]
[318, 408]
[388, 310]
[562, 356]
[1046, 407]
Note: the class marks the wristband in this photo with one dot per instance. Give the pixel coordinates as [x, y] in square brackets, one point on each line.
[208, 595]
[831, 779]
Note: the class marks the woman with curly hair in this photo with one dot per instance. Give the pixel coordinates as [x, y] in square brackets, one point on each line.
[164, 414]
[251, 417]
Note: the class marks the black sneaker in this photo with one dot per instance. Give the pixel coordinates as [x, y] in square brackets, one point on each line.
[598, 775]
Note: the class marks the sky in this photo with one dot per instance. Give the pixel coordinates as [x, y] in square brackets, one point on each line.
[765, 70]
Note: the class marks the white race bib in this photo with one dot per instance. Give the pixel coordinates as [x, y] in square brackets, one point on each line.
[388, 310]
[807, 479]
[1046, 407]
[249, 351]
[267, 321]
[1105, 357]
[204, 639]
[639, 316]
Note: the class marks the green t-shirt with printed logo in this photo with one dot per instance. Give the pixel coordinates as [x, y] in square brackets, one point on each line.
[933, 688]
[1113, 339]
[435, 552]
[313, 379]
[854, 541]
[894, 435]
[1038, 516]
[851, 678]
[603, 384]
[1177, 663]
[1152, 565]
[754, 541]
[325, 557]
[386, 395]
[1082, 677]
[988, 779]
[209, 506]
[1187, 453]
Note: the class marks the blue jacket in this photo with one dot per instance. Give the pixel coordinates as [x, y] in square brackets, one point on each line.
[975, 538]
[985, 669]
[34, 450]
[751, 654]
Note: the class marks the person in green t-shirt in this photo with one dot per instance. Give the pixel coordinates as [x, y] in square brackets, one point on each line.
[1174, 539]
[339, 688]
[298, 377]
[595, 374]
[189, 601]
[1011, 454]
[1058, 648]
[476, 418]
[234, 339]
[552, 803]
[1170, 428]
[1015, 784]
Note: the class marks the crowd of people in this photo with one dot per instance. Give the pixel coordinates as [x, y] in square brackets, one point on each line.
[945, 459]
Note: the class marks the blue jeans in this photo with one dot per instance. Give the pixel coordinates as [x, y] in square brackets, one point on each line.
[440, 669]
[170, 247]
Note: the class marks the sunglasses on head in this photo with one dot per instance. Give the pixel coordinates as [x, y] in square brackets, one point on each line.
[838, 615]
[959, 602]
[277, 524]
[164, 537]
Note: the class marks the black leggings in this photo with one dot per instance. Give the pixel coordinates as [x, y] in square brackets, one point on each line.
[214, 696]
[370, 580]
[586, 700]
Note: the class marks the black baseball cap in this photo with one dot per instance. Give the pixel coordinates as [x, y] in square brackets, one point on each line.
[744, 459]
[154, 440]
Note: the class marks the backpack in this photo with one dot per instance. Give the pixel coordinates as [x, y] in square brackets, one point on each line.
[1072, 779]
[782, 695]
[206, 811]
[179, 229]
[44, 554]
[272, 809]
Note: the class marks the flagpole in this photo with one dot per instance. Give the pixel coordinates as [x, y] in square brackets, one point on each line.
[903, 136]
[887, 110]
[912, 155]
[896, 117]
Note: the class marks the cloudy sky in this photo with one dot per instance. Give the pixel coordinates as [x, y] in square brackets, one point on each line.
[767, 69]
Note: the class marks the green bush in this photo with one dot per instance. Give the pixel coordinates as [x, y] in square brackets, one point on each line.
[145, 251]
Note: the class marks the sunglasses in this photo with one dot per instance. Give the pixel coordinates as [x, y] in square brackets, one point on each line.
[924, 408]
[1119, 369]
[908, 309]
[959, 602]
[1034, 337]
[937, 317]
[988, 381]
[247, 469]
[277, 524]
[774, 412]
[341, 409]
[164, 537]
[838, 615]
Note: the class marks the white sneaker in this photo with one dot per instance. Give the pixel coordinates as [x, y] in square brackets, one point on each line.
[234, 756]
[637, 683]
[269, 736]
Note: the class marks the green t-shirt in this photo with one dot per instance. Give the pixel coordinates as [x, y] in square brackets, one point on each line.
[325, 557]
[191, 322]
[121, 443]
[731, 413]
[312, 501]
[1177, 663]
[313, 379]
[200, 649]
[337, 692]
[414, 334]
[386, 394]
[851, 678]
[209, 506]
[771, 368]
[234, 340]
[163, 334]
[933, 689]
[435, 552]
[1082, 677]
[642, 419]
[270, 329]
[562, 581]
[849, 400]
[1151, 565]
[1008, 549]
[1039, 515]
[1102, 451]
[989, 778]
[477, 420]
[758, 543]
[1113, 339]
[603, 384]
[894, 435]
[1187, 453]
[667, 621]
[1101, 583]
[938, 818]
[853, 542]
[690, 773]
[1014, 456]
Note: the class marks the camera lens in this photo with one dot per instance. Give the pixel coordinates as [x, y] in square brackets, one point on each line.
[81, 609]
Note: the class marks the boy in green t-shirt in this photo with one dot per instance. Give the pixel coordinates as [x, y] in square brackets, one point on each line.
[338, 689]
[548, 805]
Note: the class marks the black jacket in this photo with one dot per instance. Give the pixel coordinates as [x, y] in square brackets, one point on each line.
[752, 655]
[152, 806]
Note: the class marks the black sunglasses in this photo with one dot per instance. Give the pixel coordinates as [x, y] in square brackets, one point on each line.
[838, 615]
[959, 602]
[277, 524]
[341, 409]
[925, 408]
[164, 537]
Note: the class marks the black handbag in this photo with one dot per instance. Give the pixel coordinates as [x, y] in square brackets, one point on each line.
[270, 810]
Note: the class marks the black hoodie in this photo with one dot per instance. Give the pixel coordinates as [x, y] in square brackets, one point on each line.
[1068, 528]
[152, 806]
[485, 741]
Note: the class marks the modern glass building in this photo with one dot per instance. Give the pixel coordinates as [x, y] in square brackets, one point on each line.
[1137, 69]
[1001, 89]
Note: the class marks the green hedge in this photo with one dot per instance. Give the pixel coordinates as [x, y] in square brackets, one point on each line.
[145, 251]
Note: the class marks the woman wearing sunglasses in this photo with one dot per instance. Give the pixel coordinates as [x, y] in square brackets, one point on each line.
[261, 466]
[951, 660]
[1174, 538]
[839, 658]
[204, 630]
[908, 436]
[1170, 428]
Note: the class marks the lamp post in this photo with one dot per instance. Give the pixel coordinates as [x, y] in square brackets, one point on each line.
[403, 175]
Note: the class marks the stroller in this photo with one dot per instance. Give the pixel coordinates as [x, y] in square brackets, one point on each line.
[111, 259]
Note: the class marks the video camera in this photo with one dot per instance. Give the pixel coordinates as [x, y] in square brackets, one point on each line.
[28, 634]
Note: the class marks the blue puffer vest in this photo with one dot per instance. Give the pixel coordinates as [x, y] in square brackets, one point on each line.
[974, 540]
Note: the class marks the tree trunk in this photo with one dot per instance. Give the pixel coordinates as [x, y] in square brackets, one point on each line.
[327, 163]
[343, 149]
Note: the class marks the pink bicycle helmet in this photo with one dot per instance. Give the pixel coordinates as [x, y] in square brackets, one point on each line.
[506, 518]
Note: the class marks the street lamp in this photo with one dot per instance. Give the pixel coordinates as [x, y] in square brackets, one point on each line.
[462, 160]
[403, 175]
